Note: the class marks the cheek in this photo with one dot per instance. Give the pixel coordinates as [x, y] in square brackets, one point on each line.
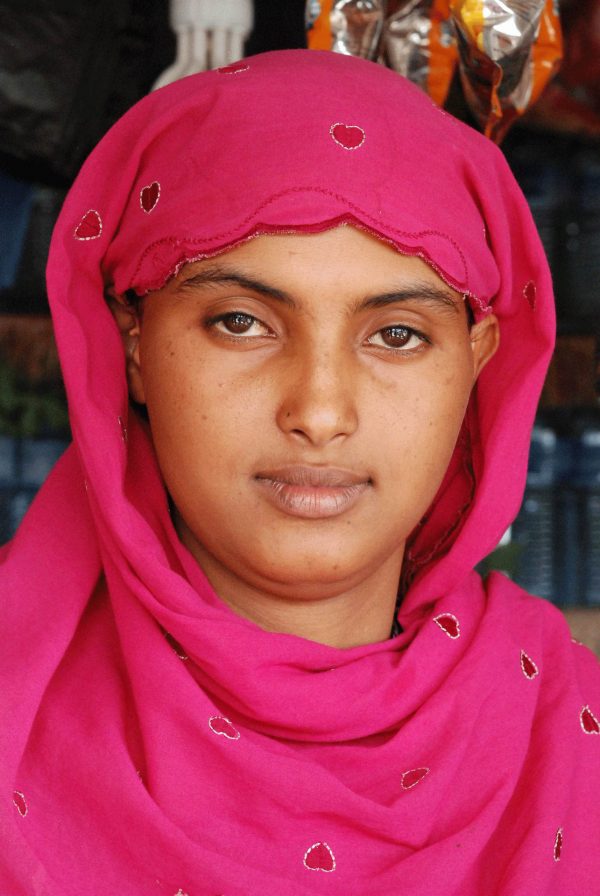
[202, 418]
[423, 423]
[448, 404]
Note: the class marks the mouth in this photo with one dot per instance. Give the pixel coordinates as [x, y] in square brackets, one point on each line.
[313, 492]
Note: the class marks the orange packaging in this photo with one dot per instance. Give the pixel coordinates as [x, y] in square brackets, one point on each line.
[419, 43]
[443, 52]
[320, 36]
[345, 26]
[505, 52]
[547, 50]
[507, 56]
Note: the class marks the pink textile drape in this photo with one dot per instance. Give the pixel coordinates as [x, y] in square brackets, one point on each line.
[153, 742]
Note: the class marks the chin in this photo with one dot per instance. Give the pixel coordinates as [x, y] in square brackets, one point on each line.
[309, 575]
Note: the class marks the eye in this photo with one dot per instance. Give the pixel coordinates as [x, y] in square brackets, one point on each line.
[237, 323]
[397, 337]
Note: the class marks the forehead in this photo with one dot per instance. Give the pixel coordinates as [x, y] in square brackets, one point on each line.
[343, 260]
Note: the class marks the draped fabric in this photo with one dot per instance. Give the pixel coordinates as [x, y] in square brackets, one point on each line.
[154, 742]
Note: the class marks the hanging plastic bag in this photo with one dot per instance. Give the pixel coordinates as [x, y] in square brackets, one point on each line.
[419, 42]
[508, 50]
[352, 27]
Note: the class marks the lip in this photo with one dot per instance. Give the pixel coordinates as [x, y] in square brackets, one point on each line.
[313, 492]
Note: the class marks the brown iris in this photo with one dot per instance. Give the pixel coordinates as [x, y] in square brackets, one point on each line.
[395, 337]
[237, 322]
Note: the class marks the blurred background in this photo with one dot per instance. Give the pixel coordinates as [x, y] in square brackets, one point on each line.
[525, 73]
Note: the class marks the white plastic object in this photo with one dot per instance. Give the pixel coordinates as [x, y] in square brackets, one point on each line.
[181, 15]
[210, 34]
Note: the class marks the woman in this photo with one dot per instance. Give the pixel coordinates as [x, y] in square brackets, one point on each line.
[247, 652]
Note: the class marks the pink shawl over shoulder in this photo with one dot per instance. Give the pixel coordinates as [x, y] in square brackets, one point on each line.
[153, 743]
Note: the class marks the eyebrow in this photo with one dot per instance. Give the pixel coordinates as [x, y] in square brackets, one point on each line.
[416, 290]
[217, 274]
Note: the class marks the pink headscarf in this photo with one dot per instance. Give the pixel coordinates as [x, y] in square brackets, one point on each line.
[152, 741]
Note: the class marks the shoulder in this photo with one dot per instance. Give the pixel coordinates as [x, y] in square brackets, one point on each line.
[539, 623]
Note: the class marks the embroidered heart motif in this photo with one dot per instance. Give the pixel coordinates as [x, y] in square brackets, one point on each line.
[448, 624]
[558, 844]
[530, 670]
[589, 722]
[221, 725]
[234, 68]
[349, 136]
[20, 804]
[319, 857]
[149, 196]
[529, 291]
[90, 226]
[412, 777]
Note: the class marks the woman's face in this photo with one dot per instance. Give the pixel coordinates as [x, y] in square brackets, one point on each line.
[305, 393]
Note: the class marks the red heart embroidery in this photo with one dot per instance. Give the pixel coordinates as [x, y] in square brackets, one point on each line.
[529, 291]
[350, 136]
[90, 226]
[319, 857]
[589, 722]
[149, 196]
[19, 801]
[558, 844]
[412, 777]
[530, 670]
[448, 624]
[234, 68]
[221, 725]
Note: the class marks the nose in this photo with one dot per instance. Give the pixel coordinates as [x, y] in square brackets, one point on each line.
[318, 403]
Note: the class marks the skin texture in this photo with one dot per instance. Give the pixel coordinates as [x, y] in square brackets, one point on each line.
[240, 383]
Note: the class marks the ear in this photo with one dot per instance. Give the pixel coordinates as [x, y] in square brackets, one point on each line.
[485, 339]
[128, 320]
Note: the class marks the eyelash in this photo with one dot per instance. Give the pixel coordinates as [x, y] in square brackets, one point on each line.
[410, 333]
[212, 323]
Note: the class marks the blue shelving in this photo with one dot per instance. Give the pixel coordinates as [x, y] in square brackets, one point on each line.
[24, 465]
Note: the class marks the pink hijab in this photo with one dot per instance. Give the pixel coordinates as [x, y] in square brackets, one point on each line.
[153, 742]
